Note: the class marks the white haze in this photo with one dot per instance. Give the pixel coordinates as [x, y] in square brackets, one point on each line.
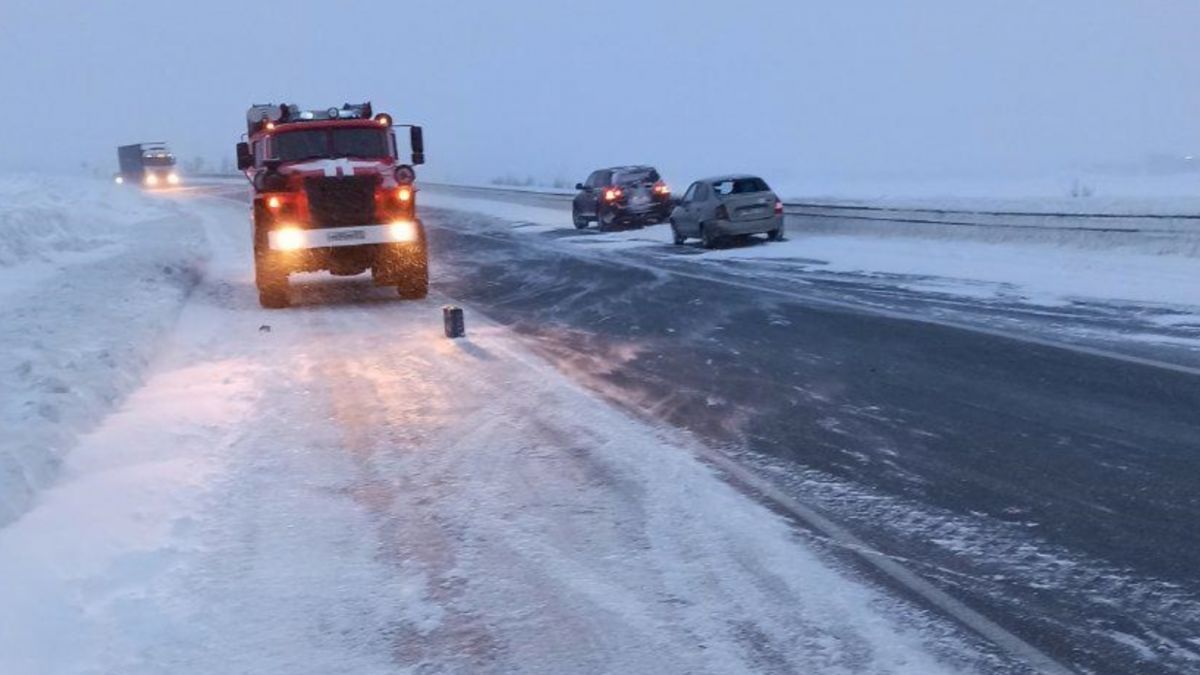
[527, 87]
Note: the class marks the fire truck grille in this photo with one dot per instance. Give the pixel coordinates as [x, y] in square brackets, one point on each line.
[342, 201]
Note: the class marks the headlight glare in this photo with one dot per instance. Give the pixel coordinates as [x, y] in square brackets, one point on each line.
[403, 231]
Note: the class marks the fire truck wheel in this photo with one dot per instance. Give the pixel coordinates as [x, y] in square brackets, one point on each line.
[272, 284]
[415, 288]
[414, 281]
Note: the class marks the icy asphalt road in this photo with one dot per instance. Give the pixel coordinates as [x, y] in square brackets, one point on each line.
[1050, 489]
[337, 489]
[1053, 489]
[348, 493]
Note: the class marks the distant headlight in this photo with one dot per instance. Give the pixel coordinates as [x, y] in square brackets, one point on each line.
[403, 231]
[151, 179]
[173, 178]
[119, 179]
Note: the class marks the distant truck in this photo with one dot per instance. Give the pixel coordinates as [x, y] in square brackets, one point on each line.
[150, 165]
[331, 193]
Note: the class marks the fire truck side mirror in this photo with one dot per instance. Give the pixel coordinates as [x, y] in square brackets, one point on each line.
[244, 159]
[416, 138]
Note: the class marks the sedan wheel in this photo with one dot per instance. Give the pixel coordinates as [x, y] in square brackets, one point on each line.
[679, 238]
[775, 235]
[708, 236]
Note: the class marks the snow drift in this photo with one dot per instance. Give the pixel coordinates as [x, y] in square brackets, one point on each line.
[90, 274]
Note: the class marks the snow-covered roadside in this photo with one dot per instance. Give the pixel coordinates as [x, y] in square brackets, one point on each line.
[90, 276]
[1045, 275]
[1133, 193]
[337, 488]
[1037, 273]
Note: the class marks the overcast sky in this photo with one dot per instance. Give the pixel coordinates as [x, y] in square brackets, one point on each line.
[786, 88]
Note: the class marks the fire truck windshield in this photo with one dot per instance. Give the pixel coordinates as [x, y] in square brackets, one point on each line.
[301, 144]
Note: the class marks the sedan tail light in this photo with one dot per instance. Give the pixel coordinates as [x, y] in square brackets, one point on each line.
[778, 208]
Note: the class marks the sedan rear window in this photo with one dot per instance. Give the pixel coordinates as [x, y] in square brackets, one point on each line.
[739, 186]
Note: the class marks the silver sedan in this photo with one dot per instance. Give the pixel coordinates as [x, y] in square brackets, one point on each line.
[726, 206]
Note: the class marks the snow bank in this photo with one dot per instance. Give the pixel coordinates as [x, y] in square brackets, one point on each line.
[42, 218]
[90, 274]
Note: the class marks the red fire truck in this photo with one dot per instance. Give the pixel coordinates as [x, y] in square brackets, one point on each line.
[330, 193]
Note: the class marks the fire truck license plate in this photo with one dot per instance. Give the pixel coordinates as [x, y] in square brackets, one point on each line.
[347, 235]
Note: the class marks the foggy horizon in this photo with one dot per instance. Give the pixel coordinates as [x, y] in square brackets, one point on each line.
[550, 92]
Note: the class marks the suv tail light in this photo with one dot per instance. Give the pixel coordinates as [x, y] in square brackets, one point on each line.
[612, 194]
[661, 189]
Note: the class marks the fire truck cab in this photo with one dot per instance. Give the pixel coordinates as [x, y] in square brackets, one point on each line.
[330, 193]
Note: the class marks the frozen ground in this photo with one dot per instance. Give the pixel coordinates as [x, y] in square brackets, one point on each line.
[335, 488]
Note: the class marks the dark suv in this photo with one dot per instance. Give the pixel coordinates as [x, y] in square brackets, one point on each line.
[622, 195]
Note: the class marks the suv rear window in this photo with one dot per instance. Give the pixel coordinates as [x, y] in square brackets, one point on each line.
[739, 186]
[635, 176]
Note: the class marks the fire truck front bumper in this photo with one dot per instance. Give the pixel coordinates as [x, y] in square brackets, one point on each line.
[295, 238]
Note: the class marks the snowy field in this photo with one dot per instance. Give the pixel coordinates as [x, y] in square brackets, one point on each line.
[1080, 192]
[336, 488]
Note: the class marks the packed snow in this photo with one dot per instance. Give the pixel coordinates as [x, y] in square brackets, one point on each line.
[338, 488]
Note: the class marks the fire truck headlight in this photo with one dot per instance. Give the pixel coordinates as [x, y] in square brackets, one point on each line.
[289, 238]
[173, 178]
[151, 179]
[403, 231]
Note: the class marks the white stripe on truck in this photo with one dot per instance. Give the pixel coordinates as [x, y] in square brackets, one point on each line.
[340, 236]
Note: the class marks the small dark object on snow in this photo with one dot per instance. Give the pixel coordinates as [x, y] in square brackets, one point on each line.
[264, 328]
[452, 317]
